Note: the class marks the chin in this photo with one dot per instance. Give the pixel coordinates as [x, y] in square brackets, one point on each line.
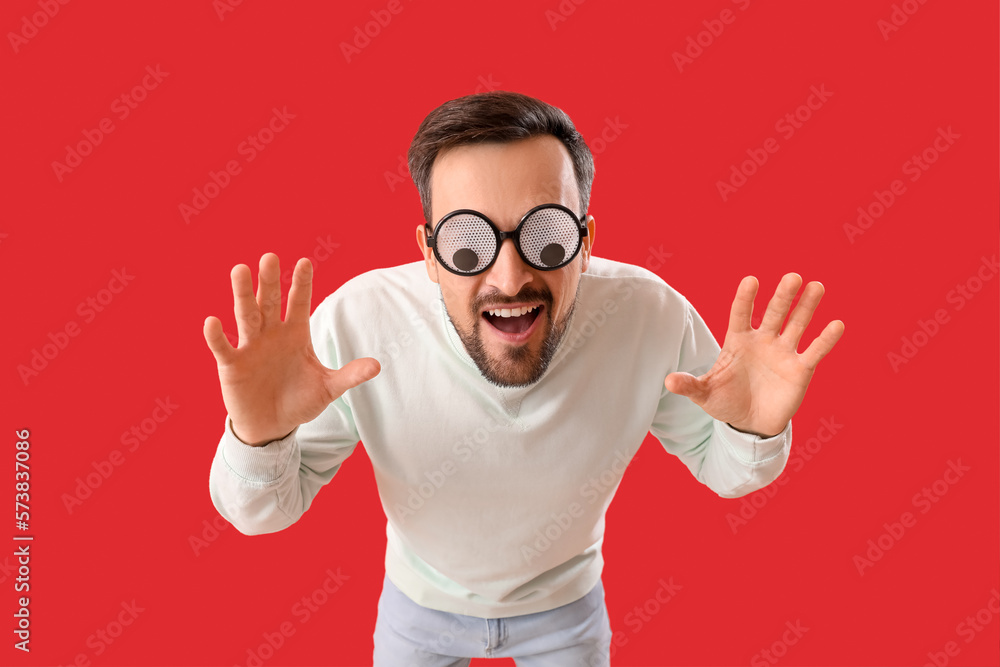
[511, 366]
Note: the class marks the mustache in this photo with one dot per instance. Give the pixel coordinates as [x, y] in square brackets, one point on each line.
[497, 298]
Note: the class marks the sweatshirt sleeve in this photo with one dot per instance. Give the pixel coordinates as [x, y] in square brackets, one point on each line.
[725, 460]
[266, 489]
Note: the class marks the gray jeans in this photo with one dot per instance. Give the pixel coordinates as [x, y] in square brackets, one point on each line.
[410, 635]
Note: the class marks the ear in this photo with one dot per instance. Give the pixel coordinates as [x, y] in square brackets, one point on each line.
[430, 262]
[588, 242]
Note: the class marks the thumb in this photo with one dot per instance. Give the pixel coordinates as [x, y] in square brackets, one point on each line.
[685, 384]
[352, 374]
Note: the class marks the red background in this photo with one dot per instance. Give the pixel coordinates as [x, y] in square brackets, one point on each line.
[656, 189]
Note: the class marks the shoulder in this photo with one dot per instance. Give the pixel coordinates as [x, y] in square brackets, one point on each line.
[379, 301]
[380, 288]
[622, 282]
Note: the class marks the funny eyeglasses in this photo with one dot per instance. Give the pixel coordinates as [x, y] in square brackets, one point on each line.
[467, 243]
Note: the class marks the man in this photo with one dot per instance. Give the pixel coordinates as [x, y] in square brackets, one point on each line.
[501, 400]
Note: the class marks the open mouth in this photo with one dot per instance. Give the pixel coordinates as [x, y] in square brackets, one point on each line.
[513, 320]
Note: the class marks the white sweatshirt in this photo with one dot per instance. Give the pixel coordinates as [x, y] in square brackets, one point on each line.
[495, 498]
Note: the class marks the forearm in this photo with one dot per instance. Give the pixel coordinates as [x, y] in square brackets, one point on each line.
[256, 488]
[738, 463]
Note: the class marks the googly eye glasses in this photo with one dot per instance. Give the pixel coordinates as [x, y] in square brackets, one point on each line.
[467, 243]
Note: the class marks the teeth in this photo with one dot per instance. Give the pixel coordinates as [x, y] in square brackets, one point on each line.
[507, 312]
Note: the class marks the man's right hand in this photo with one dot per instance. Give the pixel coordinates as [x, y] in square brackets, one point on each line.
[273, 381]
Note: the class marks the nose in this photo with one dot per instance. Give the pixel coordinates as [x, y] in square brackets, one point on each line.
[509, 273]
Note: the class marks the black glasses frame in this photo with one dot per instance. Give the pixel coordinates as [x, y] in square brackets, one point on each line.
[515, 236]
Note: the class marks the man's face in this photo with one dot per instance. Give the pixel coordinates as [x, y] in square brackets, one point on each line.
[503, 182]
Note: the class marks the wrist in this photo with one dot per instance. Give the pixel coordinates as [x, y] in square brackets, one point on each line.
[252, 441]
[749, 431]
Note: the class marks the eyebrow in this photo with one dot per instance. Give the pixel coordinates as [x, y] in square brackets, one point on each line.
[581, 218]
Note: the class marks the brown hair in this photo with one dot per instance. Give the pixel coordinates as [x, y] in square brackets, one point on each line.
[495, 116]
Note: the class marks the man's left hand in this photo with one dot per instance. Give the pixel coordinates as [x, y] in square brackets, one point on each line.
[759, 380]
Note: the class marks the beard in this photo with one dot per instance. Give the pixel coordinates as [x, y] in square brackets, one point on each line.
[514, 365]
